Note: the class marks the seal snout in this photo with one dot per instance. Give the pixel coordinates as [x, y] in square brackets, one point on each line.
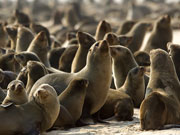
[104, 45]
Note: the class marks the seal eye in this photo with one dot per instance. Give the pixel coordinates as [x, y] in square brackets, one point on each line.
[97, 45]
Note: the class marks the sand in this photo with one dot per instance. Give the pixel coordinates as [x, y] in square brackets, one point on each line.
[115, 128]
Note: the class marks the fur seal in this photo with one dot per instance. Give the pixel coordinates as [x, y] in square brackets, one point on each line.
[67, 57]
[163, 74]
[174, 52]
[54, 56]
[158, 110]
[33, 117]
[85, 42]
[3, 36]
[117, 104]
[16, 93]
[8, 63]
[24, 38]
[22, 75]
[23, 57]
[6, 77]
[102, 28]
[12, 35]
[134, 85]
[114, 39]
[39, 45]
[98, 67]
[125, 27]
[35, 70]
[142, 58]
[158, 38]
[22, 18]
[2, 95]
[122, 62]
[37, 28]
[72, 98]
[137, 32]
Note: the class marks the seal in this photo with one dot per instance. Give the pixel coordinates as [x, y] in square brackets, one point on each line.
[122, 62]
[102, 28]
[2, 95]
[142, 58]
[125, 27]
[8, 63]
[35, 70]
[118, 105]
[54, 56]
[98, 67]
[114, 39]
[158, 110]
[39, 45]
[72, 98]
[23, 57]
[163, 74]
[134, 85]
[157, 38]
[137, 32]
[12, 35]
[24, 38]
[6, 77]
[33, 117]
[21, 18]
[67, 57]
[3, 36]
[174, 52]
[37, 28]
[16, 93]
[85, 42]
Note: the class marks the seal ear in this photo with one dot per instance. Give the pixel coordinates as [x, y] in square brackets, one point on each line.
[7, 105]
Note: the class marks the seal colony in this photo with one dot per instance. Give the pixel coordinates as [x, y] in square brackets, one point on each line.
[57, 76]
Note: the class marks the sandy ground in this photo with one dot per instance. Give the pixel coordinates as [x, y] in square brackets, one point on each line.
[115, 128]
[123, 127]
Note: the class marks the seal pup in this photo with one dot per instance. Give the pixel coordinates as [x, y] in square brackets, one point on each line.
[85, 42]
[98, 67]
[160, 35]
[125, 27]
[23, 57]
[35, 70]
[67, 57]
[158, 110]
[33, 117]
[118, 106]
[16, 93]
[102, 28]
[72, 98]
[39, 45]
[6, 77]
[137, 32]
[134, 85]
[174, 52]
[163, 74]
[142, 58]
[24, 38]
